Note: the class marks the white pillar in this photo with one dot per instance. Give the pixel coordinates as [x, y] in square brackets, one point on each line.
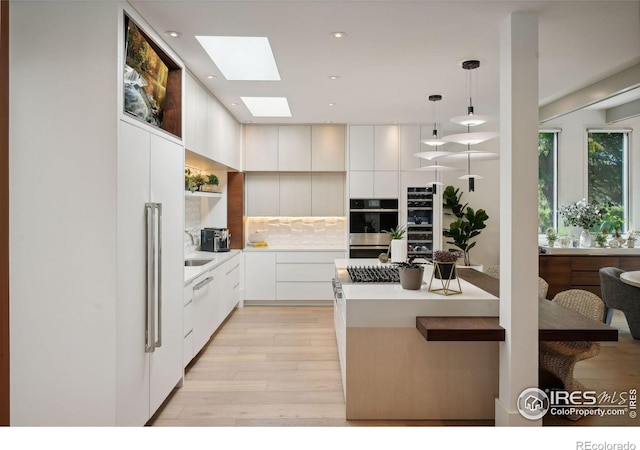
[518, 214]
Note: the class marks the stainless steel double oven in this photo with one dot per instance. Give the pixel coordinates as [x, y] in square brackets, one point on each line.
[369, 219]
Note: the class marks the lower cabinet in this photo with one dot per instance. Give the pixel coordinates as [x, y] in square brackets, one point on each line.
[208, 300]
[290, 276]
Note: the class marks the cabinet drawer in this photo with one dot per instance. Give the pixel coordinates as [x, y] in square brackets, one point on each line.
[593, 263]
[585, 279]
[187, 324]
[629, 263]
[304, 291]
[233, 275]
[304, 272]
[309, 257]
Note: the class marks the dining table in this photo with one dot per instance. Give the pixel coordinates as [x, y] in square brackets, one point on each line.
[632, 278]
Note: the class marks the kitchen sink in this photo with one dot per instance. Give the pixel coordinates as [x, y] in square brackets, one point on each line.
[197, 262]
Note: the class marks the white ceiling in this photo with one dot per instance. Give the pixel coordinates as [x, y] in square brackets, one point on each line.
[397, 52]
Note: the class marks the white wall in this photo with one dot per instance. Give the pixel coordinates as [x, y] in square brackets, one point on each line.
[63, 212]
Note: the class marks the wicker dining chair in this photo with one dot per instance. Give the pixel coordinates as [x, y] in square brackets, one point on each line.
[559, 358]
[621, 296]
[543, 286]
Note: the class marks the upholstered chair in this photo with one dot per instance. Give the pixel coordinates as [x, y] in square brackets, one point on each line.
[620, 296]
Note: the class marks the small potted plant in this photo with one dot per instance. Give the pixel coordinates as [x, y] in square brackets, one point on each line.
[631, 239]
[397, 246]
[552, 236]
[210, 183]
[199, 181]
[411, 274]
[601, 240]
[444, 263]
[189, 184]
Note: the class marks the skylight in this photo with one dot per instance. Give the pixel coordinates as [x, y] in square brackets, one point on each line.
[241, 58]
[267, 106]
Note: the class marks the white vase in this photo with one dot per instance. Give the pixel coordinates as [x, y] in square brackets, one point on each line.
[585, 238]
[398, 250]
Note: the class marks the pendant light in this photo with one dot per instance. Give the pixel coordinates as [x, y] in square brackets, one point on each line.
[471, 119]
[434, 141]
[471, 138]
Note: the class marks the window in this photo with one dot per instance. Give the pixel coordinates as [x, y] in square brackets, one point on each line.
[547, 179]
[607, 171]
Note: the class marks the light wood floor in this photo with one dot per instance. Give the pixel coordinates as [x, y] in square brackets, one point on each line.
[278, 366]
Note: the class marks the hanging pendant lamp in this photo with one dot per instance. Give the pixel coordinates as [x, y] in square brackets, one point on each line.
[471, 119]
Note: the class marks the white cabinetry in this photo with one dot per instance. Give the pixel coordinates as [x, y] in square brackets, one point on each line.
[149, 170]
[327, 148]
[295, 194]
[187, 324]
[290, 276]
[340, 326]
[327, 194]
[261, 147]
[263, 194]
[373, 158]
[210, 130]
[230, 292]
[294, 148]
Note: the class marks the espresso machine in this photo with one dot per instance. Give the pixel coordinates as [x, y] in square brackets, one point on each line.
[215, 240]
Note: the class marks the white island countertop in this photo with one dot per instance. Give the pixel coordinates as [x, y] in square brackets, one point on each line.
[389, 305]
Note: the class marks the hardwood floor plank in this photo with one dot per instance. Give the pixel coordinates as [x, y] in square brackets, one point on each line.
[305, 385]
[271, 411]
[224, 386]
[234, 357]
[187, 398]
[302, 356]
[288, 375]
[247, 365]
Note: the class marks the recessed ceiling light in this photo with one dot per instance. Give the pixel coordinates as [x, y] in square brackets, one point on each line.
[212, 77]
[394, 121]
[338, 34]
[328, 121]
[234, 104]
[334, 77]
[173, 34]
[332, 104]
[241, 58]
[267, 106]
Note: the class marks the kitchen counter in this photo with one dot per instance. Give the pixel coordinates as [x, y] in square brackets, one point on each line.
[218, 258]
[389, 371]
[579, 251]
[295, 248]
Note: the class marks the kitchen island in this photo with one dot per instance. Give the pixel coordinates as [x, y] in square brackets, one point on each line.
[389, 370]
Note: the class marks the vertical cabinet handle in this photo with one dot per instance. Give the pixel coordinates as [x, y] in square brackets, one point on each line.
[153, 328]
[149, 335]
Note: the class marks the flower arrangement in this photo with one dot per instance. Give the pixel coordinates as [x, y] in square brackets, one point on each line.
[551, 235]
[583, 214]
[447, 256]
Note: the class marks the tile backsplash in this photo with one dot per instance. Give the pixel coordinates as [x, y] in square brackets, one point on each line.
[192, 224]
[300, 231]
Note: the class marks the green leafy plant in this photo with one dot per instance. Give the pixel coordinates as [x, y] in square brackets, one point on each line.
[613, 220]
[601, 239]
[408, 264]
[468, 225]
[189, 184]
[199, 180]
[397, 233]
[212, 180]
[633, 236]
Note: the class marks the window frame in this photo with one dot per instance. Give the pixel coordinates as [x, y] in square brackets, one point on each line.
[554, 207]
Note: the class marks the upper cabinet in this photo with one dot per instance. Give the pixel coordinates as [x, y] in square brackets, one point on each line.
[327, 148]
[361, 144]
[294, 148]
[210, 130]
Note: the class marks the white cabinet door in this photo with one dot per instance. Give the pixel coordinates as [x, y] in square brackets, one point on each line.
[409, 145]
[231, 283]
[259, 276]
[327, 194]
[361, 145]
[204, 287]
[216, 133]
[361, 184]
[294, 148]
[167, 181]
[295, 194]
[386, 147]
[150, 169]
[261, 147]
[385, 184]
[263, 194]
[327, 148]
[196, 118]
[231, 153]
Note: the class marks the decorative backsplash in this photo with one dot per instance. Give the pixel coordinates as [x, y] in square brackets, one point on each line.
[300, 231]
[192, 224]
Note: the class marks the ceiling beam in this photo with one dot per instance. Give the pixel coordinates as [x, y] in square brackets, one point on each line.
[623, 112]
[601, 90]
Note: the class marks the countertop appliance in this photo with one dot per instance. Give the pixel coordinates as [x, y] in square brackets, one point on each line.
[215, 240]
[369, 219]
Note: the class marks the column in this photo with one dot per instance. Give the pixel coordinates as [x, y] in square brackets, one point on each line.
[518, 214]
